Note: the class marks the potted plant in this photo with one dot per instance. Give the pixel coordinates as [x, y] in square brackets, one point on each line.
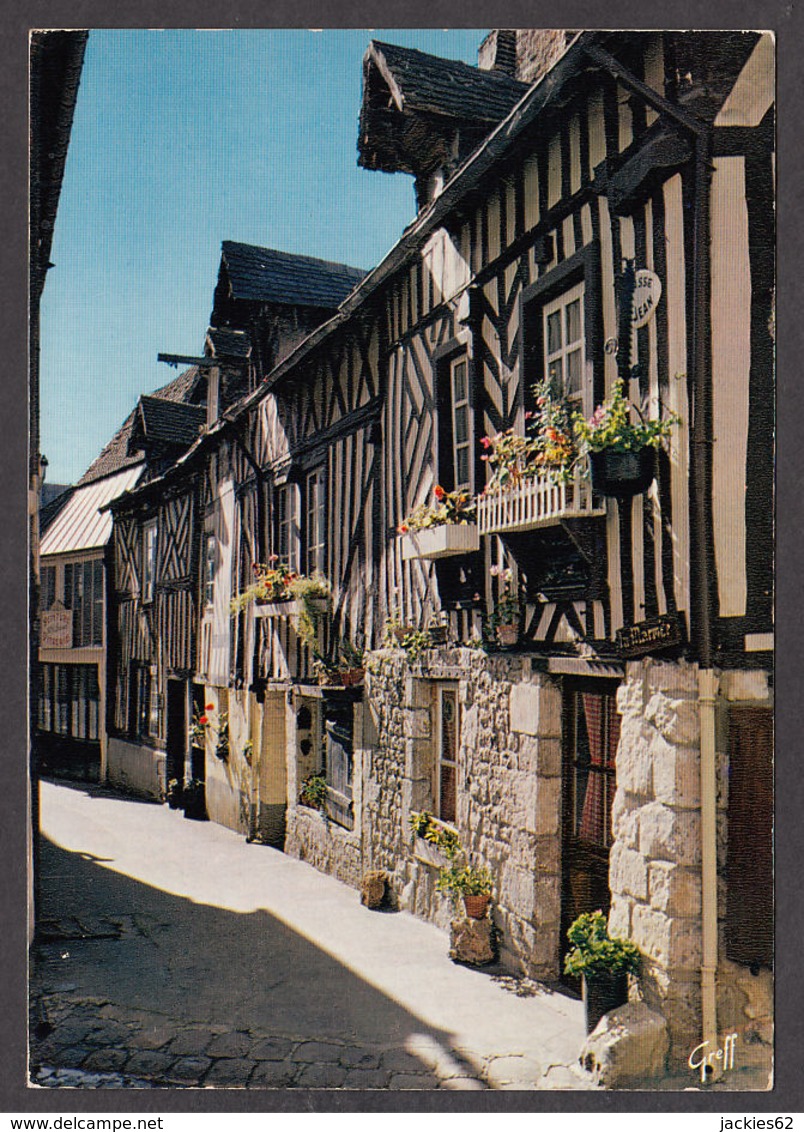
[174, 793]
[603, 964]
[505, 618]
[445, 527]
[312, 595]
[313, 793]
[622, 453]
[328, 671]
[352, 669]
[271, 585]
[471, 883]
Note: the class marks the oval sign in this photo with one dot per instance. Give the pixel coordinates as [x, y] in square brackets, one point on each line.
[647, 292]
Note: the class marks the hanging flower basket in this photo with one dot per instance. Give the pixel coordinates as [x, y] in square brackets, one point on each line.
[623, 475]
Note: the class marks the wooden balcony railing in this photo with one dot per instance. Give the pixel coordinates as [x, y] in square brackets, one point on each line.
[537, 502]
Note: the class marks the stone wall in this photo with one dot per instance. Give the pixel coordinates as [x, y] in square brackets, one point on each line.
[655, 864]
[508, 799]
[537, 49]
[136, 769]
[310, 836]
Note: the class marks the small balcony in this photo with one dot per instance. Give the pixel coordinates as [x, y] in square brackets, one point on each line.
[537, 502]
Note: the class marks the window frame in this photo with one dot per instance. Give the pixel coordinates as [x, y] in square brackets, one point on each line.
[446, 360]
[315, 521]
[286, 524]
[70, 701]
[560, 305]
[150, 541]
[209, 569]
[581, 268]
[440, 691]
[83, 585]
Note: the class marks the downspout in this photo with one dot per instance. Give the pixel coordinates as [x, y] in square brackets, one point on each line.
[703, 576]
[707, 696]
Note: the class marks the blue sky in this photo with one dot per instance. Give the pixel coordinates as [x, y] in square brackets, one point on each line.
[183, 139]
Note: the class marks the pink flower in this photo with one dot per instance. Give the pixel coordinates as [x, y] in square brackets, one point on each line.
[495, 571]
[202, 719]
[439, 492]
[484, 440]
[402, 528]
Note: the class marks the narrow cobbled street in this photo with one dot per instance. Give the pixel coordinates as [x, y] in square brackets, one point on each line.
[173, 954]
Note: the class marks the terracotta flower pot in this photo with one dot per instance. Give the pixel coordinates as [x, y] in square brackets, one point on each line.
[476, 906]
[353, 676]
[508, 635]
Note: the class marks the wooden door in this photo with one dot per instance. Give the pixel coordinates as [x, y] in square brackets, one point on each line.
[591, 733]
[176, 739]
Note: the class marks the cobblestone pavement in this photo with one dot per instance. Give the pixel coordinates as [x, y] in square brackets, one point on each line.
[95, 1044]
[173, 954]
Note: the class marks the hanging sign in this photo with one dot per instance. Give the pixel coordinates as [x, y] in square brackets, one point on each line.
[650, 636]
[56, 629]
[647, 292]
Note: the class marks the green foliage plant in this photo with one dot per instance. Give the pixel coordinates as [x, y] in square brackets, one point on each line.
[465, 880]
[610, 427]
[313, 791]
[313, 593]
[455, 508]
[595, 952]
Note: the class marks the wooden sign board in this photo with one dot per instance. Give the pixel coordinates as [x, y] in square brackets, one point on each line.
[56, 629]
[651, 636]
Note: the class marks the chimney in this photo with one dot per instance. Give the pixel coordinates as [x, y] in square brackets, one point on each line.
[497, 52]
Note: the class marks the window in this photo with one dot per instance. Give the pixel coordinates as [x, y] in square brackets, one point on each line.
[287, 525]
[563, 342]
[83, 593]
[749, 856]
[149, 535]
[455, 422]
[461, 423]
[209, 567]
[593, 727]
[447, 740]
[47, 587]
[144, 703]
[315, 522]
[69, 700]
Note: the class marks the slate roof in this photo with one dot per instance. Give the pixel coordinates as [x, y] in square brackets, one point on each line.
[168, 422]
[116, 455]
[445, 86]
[229, 343]
[266, 275]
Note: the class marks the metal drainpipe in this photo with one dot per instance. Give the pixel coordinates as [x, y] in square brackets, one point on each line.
[704, 591]
[707, 695]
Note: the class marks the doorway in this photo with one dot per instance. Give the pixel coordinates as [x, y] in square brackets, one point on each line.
[176, 739]
[591, 730]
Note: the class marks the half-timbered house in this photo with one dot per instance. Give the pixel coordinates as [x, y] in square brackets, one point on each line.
[75, 582]
[597, 208]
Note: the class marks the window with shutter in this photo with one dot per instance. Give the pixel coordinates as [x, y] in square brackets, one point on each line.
[749, 857]
[338, 758]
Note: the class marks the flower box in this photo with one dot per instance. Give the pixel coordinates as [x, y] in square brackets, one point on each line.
[537, 502]
[286, 608]
[441, 542]
[623, 474]
[429, 854]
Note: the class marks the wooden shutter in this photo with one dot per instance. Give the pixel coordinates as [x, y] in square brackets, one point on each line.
[749, 862]
[338, 723]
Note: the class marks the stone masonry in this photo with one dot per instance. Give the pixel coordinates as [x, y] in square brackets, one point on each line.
[509, 795]
[655, 863]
